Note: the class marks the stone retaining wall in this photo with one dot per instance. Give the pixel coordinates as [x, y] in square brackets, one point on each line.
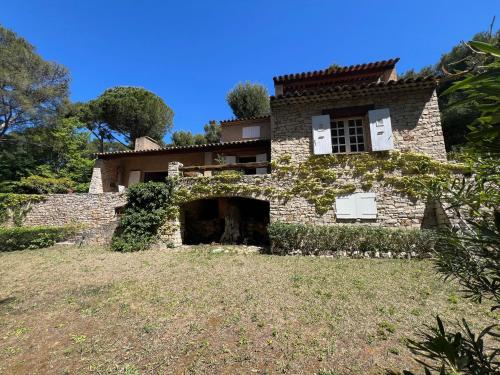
[394, 209]
[97, 213]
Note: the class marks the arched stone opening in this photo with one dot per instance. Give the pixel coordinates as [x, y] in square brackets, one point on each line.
[232, 220]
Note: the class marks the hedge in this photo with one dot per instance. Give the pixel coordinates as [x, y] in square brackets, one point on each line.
[327, 240]
[19, 238]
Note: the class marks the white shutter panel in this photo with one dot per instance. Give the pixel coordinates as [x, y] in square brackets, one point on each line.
[322, 137]
[345, 207]
[134, 177]
[229, 159]
[251, 132]
[260, 158]
[366, 206]
[381, 129]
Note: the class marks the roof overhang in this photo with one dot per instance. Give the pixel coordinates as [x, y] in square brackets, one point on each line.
[354, 91]
[188, 149]
[245, 121]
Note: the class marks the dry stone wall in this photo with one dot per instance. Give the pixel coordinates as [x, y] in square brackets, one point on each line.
[95, 212]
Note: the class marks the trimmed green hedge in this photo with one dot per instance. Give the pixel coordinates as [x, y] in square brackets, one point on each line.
[19, 238]
[327, 240]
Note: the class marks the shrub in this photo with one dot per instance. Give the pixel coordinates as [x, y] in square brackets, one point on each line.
[320, 240]
[144, 214]
[44, 185]
[19, 238]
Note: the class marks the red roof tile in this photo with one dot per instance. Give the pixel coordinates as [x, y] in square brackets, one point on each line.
[385, 64]
[236, 120]
[174, 149]
[429, 81]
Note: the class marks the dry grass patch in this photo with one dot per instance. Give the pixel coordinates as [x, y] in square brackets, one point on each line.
[202, 311]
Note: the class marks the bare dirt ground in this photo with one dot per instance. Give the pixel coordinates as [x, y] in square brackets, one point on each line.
[213, 310]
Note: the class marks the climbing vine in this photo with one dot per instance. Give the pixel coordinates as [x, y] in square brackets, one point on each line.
[321, 178]
[17, 206]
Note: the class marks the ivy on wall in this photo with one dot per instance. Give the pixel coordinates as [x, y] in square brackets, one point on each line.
[153, 208]
[321, 178]
[16, 206]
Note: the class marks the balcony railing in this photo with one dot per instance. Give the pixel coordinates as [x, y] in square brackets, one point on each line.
[224, 167]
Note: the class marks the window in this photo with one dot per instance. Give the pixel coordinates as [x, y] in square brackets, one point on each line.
[251, 132]
[347, 135]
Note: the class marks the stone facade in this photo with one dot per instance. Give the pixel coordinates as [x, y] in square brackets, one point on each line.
[394, 209]
[416, 127]
[415, 118]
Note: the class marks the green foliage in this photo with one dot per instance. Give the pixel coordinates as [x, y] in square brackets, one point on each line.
[186, 138]
[17, 206]
[457, 114]
[56, 150]
[90, 114]
[144, 214]
[461, 352]
[44, 185]
[305, 239]
[322, 178]
[31, 89]
[482, 88]
[249, 100]
[470, 253]
[20, 238]
[135, 112]
[212, 132]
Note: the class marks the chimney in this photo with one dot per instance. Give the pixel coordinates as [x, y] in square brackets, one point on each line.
[146, 143]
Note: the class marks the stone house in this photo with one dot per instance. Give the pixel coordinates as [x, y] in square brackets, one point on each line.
[354, 110]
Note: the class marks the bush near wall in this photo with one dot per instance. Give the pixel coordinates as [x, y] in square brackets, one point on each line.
[349, 239]
[144, 214]
[19, 238]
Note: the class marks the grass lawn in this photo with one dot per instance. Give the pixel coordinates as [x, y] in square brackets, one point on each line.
[196, 311]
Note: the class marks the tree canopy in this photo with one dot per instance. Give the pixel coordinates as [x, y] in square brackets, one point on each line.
[135, 112]
[31, 89]
[457, 114]
[249, 100]
[186, 138]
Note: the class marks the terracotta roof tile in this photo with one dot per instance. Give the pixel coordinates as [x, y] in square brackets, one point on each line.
[429, 81]
[173, 149]
[235, 120]
[385, 64]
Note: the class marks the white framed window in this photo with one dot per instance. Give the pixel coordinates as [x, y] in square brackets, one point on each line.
[347, 135]
[356, 206]
[251, 132]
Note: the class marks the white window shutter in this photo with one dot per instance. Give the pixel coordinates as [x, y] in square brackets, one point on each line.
[134, 177]
[345, 207]
[381, 129]
[260, 158]
[229, 159]
[251, 132]
[366, 206]
[356, 206]
[322, 137]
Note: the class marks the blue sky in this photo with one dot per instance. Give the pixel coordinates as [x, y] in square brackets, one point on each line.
[191, 53]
